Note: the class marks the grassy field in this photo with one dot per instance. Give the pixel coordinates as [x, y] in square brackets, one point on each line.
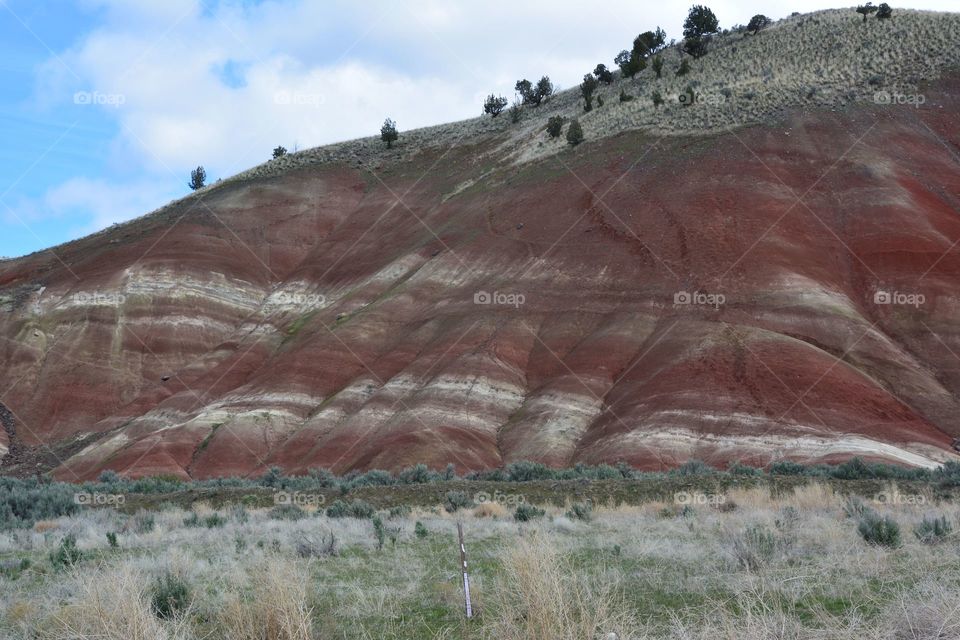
[764, 559]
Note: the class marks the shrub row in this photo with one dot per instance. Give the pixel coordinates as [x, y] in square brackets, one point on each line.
[24, 501]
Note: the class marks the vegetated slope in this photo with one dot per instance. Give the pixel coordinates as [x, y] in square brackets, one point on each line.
[331, 309]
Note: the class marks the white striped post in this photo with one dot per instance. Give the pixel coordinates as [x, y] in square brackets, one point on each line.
[463, 568]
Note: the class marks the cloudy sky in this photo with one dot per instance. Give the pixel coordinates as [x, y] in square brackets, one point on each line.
[108, 104]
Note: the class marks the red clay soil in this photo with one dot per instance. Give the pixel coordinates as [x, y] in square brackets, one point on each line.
[327, 318]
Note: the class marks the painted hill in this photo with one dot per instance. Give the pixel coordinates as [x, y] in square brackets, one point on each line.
[770, 272]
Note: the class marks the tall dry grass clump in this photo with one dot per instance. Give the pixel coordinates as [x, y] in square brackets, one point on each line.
[538, 597]
[110, 604]
[278, 606]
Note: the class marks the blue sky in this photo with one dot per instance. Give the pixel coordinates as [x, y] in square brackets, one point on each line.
[108, 104]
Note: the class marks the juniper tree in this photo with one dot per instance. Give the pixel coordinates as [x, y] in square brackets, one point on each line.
[574, 133]
[603, 74]
[865, 10]
[494, 105]
[758, 23]
[198, 178]
[587, 88]
[388, 132]
[700, 25]
[554, 126]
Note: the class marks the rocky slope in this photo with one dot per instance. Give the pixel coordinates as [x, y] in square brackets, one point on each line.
[782, 289]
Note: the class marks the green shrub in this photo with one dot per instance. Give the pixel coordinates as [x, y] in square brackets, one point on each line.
[456, 500]
[67, 554]
[314, 545]
[419, 530]
[112, 539]
[786, 468]
[574, 133]
[527, 512]
[322, 477]
[879, 530]
[374, 478]
[554, 127]
[418, 474]
[624, 96]
[933, 530]
[884, 11]
[23, 502]
[657, 99]
[11, 570]
[738, 469]
[399, 511]
[948, 474]
[580, 511]
[684, 68]
[658, 66]
[192, 520]
[108, 476]
[239, 513]
[214, 521]
[169, 595]
[854, 507]
[755, 547]
[379, 532]
[287, 512]
[356, 509]
[144, 522]
[693, 468]
[515, 112]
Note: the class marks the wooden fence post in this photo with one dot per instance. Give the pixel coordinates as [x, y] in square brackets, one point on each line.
[463, 569]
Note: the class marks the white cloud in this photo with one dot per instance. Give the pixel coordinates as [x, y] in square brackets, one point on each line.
[88, 205]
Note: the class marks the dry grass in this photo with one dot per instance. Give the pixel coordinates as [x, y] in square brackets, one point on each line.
[278, 606]
[111, 605]
[539, 598]
[640, 571]
[490, 510]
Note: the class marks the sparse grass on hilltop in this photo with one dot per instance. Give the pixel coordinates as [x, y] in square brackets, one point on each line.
[825, 59]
